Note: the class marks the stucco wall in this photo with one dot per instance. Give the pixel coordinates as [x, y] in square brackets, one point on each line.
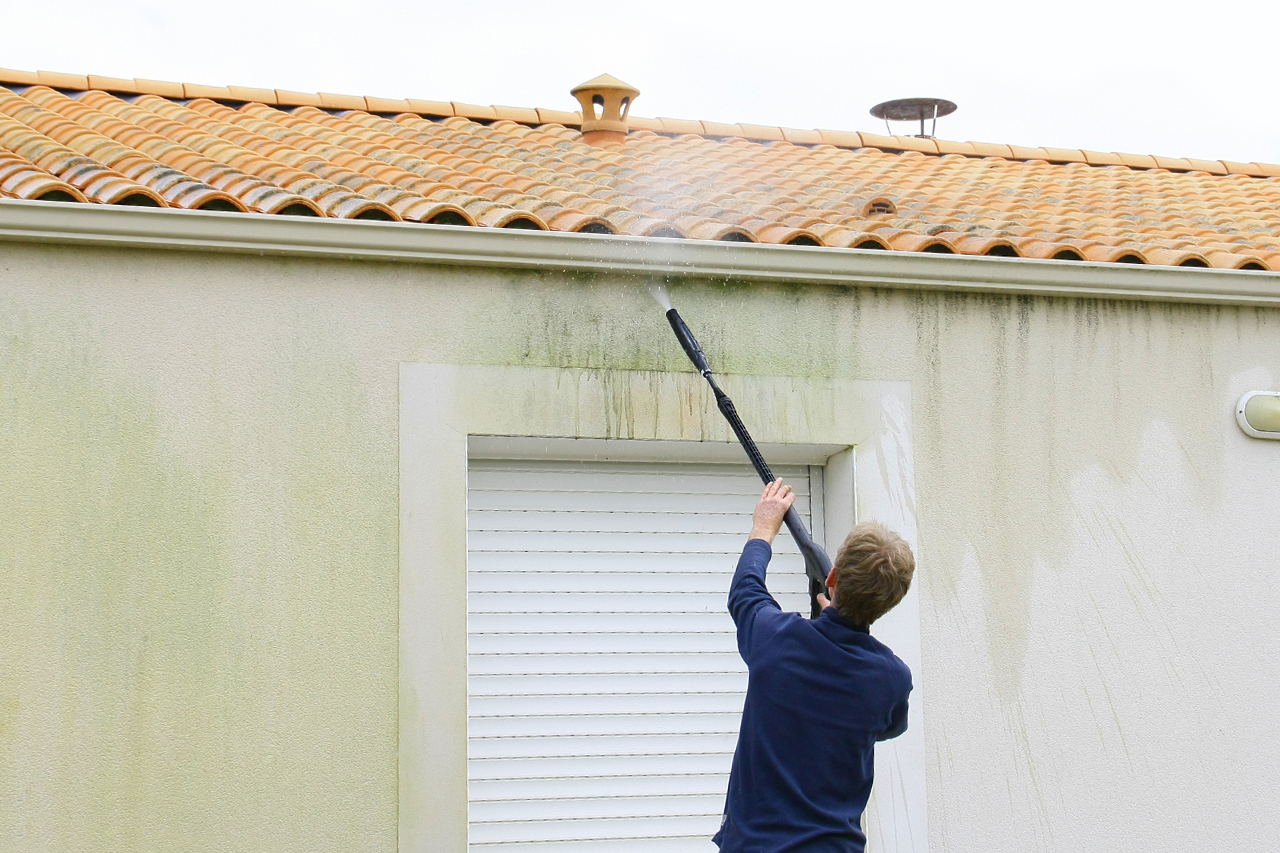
[198, 539]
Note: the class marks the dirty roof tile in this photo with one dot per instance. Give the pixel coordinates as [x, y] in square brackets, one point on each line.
[432, 161]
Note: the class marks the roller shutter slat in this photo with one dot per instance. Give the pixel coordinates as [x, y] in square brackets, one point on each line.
[605, 687]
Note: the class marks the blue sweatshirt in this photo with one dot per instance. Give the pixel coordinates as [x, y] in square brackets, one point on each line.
[819, 695]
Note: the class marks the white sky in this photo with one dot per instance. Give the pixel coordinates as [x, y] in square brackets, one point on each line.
[1170, 78]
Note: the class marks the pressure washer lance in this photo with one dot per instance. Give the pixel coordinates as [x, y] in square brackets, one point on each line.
[817, 565]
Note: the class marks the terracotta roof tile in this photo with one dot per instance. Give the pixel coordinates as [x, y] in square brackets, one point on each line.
[59, 80]
[285, 98]
[1138, 161]
[762, 132]
[20, 78]
[1240, 168]
[522, 115]
[1213, 167]
[474, 111]
[841, 138]
[563, 117]
[680, 125]
[192, 90]
[111, 84]
[990, 149]
[231, 148]
[328, 100]
[247, 93]
[946, 147]
[163, 88]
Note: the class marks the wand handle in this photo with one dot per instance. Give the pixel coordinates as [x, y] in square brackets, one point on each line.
[817, 564]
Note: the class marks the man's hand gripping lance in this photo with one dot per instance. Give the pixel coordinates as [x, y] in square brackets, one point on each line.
[817, 565]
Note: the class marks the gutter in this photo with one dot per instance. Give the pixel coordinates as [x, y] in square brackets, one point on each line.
[645, 257]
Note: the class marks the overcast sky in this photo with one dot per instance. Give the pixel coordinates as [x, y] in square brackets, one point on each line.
[1142, 77]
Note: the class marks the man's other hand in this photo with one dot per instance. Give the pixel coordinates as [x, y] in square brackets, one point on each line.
[772, 507]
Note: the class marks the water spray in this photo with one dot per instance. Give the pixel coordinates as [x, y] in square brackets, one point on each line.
[817, 565]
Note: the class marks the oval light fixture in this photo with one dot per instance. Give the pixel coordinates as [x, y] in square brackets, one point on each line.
[1258, 414]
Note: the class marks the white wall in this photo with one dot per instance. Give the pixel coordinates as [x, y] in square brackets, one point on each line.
[199, 559]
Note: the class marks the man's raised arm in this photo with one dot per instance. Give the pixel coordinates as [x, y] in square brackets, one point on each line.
[748, 594]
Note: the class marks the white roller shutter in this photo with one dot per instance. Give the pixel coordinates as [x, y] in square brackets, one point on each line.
[605, 687]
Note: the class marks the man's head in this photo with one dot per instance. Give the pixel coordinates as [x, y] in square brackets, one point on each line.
[871, 574]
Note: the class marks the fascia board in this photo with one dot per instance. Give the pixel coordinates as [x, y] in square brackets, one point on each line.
[645, 257]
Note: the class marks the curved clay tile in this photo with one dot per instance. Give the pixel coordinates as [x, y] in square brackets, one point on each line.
[639, 225]
[94, 180]
[909, 241]
[148, 132]
[1166, 257]
[328, 198]
[177, 188]
[506, 217]
[1119, 253]
[1041, 249]
[458, 170]
[842, 237]
[777, 233]
[975, 244]
[503, 194]
[1233, 261]
[21, 179]
[700, 228]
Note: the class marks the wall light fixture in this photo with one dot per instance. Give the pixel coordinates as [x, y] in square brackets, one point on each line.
[1258, 414]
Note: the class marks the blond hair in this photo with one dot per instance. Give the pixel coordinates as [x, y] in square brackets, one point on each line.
[873, 573]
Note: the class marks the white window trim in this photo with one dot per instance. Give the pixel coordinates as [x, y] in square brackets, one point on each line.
[441, 406]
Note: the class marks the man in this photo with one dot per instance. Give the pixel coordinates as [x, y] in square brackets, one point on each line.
[819, 695]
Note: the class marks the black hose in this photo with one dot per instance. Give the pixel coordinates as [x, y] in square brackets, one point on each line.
[817, 565]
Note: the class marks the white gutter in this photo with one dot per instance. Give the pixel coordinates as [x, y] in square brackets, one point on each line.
[261, 234]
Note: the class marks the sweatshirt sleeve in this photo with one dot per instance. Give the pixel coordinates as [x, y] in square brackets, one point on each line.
[898, 714]
[752, 607]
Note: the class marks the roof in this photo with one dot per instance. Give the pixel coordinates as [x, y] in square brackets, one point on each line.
[101, 140]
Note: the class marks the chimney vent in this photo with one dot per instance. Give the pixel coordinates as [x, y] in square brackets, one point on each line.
[606, 101]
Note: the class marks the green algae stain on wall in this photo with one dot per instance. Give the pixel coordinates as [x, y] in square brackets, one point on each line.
[198, 573]
[112, 573]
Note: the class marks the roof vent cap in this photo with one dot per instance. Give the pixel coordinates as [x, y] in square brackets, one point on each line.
[911, 109]
[606, 101]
